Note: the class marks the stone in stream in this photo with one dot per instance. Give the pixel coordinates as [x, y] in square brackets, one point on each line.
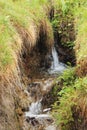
[34, 121]
[47, 110]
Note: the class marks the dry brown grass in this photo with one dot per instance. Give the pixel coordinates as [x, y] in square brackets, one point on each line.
[28, 36]
[80, 113]
[82, 67]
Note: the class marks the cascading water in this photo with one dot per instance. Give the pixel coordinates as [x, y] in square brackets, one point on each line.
[56, 65]
[55, 62]
[36, 118]
[36, 115]
[35, 110]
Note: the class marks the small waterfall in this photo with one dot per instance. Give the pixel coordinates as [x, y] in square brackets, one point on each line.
[56, 65]
[38, 117]
[36, 108]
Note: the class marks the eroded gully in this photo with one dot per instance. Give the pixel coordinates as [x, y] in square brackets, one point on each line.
[38, 116]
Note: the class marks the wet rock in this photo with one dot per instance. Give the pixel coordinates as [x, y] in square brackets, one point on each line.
[48, 60]
[47, 110]
[28, 119]
[34, 84]
[35, 90]
[32, 120]
[66, 54]
[50, 120]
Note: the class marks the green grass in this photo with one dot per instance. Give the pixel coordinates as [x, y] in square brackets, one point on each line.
[6, 33]
[63, 22]
[62, 112]
[21, 13]
[72, 93]
[81, 28]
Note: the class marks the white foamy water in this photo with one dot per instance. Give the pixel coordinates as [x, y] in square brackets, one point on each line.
[56, 65]
[28, 114]
[35, 110]
[37, 116]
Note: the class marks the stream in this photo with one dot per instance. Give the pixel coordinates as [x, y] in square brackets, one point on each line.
[38, 117]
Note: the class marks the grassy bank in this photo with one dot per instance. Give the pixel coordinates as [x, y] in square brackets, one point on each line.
[21, 23]
[71, 105]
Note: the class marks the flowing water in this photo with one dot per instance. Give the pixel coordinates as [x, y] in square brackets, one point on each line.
[35, 110]
[56, 65]
[36, 113]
